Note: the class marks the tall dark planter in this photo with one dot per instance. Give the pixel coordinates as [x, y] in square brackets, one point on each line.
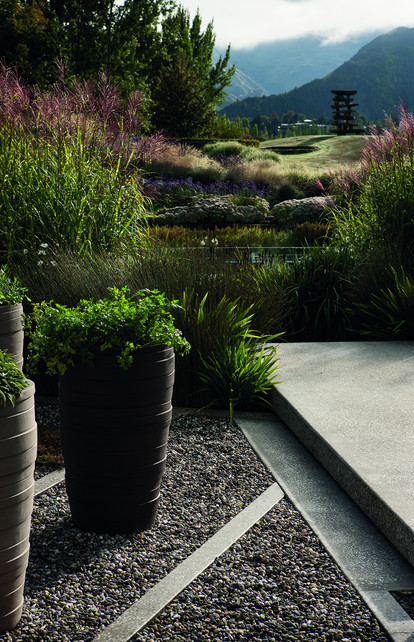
[115, 426]
[18, 447]
[11, 331]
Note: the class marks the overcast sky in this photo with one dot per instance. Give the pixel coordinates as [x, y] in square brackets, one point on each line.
[245, 23]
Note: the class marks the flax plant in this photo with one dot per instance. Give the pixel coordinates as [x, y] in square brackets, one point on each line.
[228, 363]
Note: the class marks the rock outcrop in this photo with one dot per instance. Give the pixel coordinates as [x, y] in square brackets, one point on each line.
[288, 214]
[214, 210]
[205, 211]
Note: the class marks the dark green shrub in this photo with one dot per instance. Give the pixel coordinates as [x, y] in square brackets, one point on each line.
[288, 191]
[11, 290]
[220, 333]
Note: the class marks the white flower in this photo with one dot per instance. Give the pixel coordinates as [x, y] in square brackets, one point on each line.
[53, 263]
[40, 262]
[203, 242]
[44, 245]
[25, 251]
[41, 252]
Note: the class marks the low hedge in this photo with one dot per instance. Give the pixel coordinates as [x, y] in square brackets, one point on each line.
[200, 142]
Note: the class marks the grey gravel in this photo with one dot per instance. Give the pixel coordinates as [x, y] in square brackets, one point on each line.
[275, 583]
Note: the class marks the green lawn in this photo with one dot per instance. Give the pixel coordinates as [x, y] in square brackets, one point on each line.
[332, 151]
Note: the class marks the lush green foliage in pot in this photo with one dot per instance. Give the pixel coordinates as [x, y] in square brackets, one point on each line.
[61, 336]
[11, 290]
[12, 380]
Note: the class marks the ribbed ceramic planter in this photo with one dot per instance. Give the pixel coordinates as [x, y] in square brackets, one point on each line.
[18, 447]
[115, 426]
[11, 331]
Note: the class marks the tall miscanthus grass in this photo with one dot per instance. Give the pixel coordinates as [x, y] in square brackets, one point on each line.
[66, 173]
[95, 109]
[379, 198]
[63, 195]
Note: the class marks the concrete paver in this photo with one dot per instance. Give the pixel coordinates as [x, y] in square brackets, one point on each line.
[352, 405]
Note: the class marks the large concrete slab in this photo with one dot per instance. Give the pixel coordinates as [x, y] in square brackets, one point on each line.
[352, 405]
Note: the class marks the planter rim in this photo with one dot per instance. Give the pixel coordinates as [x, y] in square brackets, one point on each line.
[111, 353]
[9, 306]
[26, 393]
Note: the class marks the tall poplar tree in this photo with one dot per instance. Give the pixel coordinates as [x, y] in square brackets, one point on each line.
[181, 36]
[185, 60]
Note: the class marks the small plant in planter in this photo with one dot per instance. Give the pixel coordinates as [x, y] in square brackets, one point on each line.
[18, 446]
[12, 380]
[115, 360]
[12, 295]
[122, 323]
[11, 290]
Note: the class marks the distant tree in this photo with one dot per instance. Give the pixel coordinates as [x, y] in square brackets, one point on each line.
[183, 107]
[323, 120]
[182, 37]
[264, 134]
[139, 42]
[136, 42]
[255, 131]
[85, 33]
[290, 116]
[28, 38]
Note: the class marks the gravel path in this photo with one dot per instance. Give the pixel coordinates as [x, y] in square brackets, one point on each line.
[276, 583]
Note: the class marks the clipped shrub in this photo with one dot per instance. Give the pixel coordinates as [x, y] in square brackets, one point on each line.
[288, 191]
[252, 153]
[199, 143]
[225, 148]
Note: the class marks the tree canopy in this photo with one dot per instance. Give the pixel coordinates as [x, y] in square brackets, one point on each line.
[141, 43]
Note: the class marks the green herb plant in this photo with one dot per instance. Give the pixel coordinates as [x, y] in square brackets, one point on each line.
[11, 290]
[12, 380]
[60, 337]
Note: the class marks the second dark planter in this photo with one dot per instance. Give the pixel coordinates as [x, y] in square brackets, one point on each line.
[115, 426]
[11, 331]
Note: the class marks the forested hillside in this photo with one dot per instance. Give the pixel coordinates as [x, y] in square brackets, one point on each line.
[381, 72]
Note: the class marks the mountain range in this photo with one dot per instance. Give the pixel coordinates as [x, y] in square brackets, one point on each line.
[381, 70]
[277, 67]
